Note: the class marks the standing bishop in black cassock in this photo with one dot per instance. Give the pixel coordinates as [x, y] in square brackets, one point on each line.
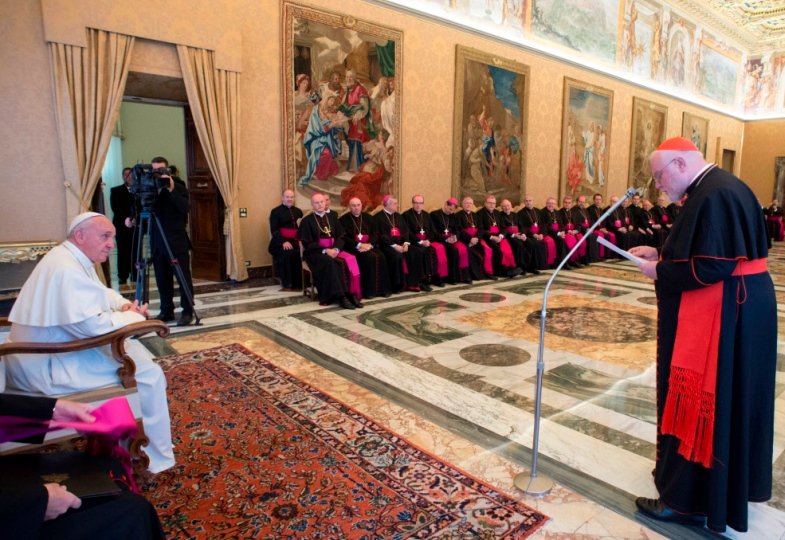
[362, 240]
[716, 346]
[284, 246]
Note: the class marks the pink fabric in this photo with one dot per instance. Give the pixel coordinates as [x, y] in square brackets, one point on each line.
[535, 229]
[664, 218]
[441, 259]
[471, 231]
[354, 273]
[421, 236]
[289, 234]
[363, 238]
[493, 229]
[571, 241]
[550, 244]
[487, 258]
[600, 247]
[326, 243]
[555, 227]
[512, 229]
[395, 232]
[463, 254]
[508, 259]
[617, 223]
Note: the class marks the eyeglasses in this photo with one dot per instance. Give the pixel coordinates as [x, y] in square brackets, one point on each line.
[658, 174]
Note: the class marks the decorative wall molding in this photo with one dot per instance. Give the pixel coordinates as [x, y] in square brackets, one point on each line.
[23, 252]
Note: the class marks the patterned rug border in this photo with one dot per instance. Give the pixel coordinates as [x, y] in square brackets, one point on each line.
[409, 448]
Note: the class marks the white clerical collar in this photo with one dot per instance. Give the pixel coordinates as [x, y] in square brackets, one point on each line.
[701, 174]
[86, 263]
[388, 212]
[320, 215]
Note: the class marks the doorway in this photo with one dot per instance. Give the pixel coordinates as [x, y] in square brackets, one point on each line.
[155, 120]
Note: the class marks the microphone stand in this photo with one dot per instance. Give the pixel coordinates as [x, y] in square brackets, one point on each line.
[532, 483]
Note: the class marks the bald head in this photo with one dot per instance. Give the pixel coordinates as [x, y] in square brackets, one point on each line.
[674, 170]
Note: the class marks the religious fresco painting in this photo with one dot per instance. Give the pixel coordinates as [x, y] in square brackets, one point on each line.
[489, 131]
[648, 39]
[342, 95]
[696, 129]
[586, 139]
[718, 72]
[649, 126]
[587, 27]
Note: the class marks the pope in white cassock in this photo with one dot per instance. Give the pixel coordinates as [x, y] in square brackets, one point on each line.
[63, 299]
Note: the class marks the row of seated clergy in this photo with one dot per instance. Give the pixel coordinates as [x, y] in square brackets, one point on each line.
[50, 511]
[64, 300]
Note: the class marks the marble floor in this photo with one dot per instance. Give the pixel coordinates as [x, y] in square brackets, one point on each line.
[454, 372]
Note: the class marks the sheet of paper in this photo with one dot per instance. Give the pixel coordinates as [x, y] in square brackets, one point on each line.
[625, 254]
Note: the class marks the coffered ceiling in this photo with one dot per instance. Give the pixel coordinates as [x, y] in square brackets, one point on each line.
[757, 25]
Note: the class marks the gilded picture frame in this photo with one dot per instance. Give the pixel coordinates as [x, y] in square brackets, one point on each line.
[586, 139]
[489, 127]
[649, 127]
[342, 88]
[696, 129]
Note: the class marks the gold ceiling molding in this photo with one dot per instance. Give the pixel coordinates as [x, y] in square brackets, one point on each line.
[758, 25]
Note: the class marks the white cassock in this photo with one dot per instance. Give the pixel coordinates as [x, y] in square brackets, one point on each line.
[63, 300]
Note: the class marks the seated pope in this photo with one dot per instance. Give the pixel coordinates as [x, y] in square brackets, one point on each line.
[63, 300]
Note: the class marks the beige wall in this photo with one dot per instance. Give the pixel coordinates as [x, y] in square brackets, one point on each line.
[248, 36]
[763, 141]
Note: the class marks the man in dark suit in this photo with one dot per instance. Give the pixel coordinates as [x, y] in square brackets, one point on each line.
[50, 510]
[123, 218]
[171, 212]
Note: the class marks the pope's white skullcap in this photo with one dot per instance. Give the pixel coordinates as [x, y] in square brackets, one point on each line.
[81, 218]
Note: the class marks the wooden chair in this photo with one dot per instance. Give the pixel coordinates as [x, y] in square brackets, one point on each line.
[126, 371]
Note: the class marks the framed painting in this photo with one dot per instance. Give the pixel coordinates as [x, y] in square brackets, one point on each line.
[696, 129]
[489, 134]
[649, 123]
[341, 88]
[586, 139]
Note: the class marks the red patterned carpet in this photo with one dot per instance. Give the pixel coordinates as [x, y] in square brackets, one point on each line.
[261, 454]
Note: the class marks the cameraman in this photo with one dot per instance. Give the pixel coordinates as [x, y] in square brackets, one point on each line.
[171, 211]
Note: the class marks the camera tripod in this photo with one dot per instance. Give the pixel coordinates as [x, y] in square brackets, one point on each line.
[143, 229]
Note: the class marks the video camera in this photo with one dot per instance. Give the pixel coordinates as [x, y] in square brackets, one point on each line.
[147, 182]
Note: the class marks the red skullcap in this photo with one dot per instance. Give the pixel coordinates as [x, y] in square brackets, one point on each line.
[452, 201]
[680, 144]
[386, 198]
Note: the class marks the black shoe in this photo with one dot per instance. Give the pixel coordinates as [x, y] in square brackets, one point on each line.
[536, 272]
[654, 508]
[185, 319]
[438, 283]
[345, 303]
[513, 272]
[491, 277]
[355, 301]
[425, 287]
[165, 316]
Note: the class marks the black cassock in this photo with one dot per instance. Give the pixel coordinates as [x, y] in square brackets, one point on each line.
[421, 228]
[663, 218]
[374, 279]
[580, 218]
[547, 220]
[393, 231]
[331, 275]
[467, 225]
[489, 224]
[525, 250]
[720, 224]
[774, 223]
[445, 227]
[283, 227]
[529, 222]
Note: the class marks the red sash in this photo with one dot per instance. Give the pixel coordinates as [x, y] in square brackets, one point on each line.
[463, 254]
[289, 234]
[354, 273]
[512, 229]
[550, 245]
[487, 258]
[441, 259]
[535, 229]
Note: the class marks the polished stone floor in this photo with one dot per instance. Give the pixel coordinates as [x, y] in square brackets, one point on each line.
[454, 372]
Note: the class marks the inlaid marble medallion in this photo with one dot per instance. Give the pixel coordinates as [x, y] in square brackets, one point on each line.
[591, 324]
[411, 321]
[493, 354]
[483, 297]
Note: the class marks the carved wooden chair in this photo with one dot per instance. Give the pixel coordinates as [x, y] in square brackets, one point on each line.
[126, 371]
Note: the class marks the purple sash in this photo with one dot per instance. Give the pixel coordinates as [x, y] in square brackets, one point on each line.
[471, 231]
[395, 232]
[421, 236]
[555, 227]
[617, 223]
[550, 244]
[354, 274]
[493, 229]
[326, 243]
[512, 229]
[664, 218]
[463, 254]
[487, 258]
[535, 229]
[289, 234]
[441, 259]
[363, 238]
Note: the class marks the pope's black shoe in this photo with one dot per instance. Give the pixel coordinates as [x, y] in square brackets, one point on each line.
[654, 508]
